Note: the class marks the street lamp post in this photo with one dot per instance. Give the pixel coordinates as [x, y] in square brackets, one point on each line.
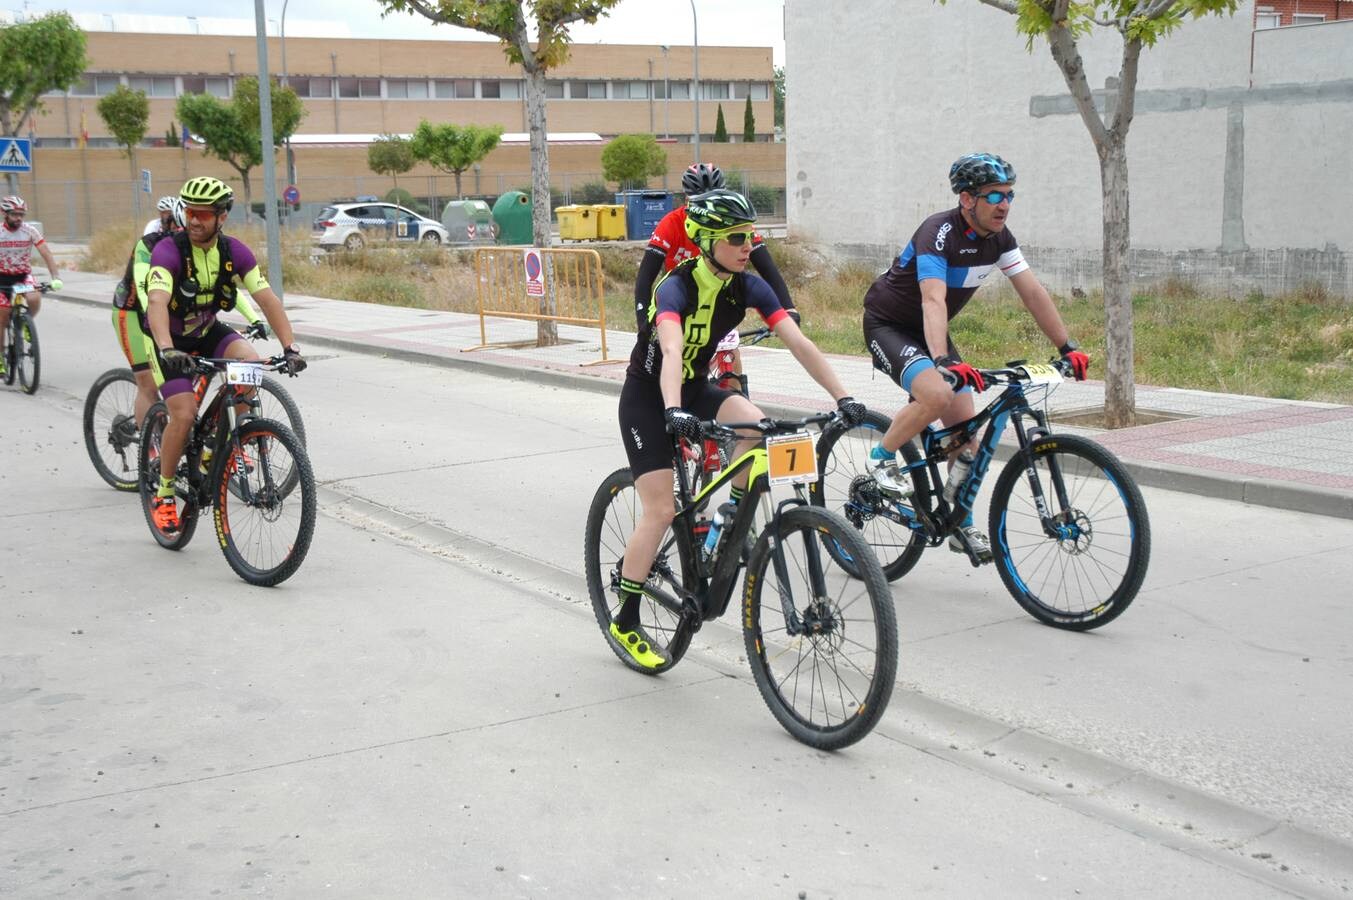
[695, 35]
[666, 92]
[291, 158]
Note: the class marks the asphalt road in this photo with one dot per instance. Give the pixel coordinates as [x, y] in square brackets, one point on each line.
[428, 708]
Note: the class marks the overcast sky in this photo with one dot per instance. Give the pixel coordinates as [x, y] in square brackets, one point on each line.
[754, 23]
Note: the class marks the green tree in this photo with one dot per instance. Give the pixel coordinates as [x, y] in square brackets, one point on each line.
[453, 148]
[720, 129]
[631, 159]
[780, 97]
[390, 155]
[231, 131]
[127, 115]
[40, 55]
[172, 136]
[748, 122]
[1139, 23]
[506, 20]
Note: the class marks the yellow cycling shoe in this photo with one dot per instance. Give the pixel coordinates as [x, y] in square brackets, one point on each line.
[639, 646]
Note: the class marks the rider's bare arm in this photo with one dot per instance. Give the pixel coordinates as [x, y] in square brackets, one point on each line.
[935, 315]
[1036, 299]
[157, 314]
[669, 377]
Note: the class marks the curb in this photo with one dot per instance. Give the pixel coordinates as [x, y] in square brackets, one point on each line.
[1331, 502]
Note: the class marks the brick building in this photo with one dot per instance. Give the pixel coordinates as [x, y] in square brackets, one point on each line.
[1281, 13]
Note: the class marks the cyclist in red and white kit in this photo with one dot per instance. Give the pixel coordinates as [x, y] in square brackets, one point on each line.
[18, 239]
[670, 245]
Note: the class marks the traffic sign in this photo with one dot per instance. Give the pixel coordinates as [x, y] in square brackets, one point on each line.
[292, 194]
[535, 284]
[16, 155]
[145, 180]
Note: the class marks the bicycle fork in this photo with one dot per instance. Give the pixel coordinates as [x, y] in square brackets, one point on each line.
[814, 620]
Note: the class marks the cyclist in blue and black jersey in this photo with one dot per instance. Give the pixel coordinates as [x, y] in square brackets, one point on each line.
[908, 308]
[667, 388]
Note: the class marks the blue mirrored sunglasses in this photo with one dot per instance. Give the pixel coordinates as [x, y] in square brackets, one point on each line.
[995, 197]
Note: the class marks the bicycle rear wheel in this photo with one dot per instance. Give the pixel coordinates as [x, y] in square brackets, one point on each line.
[828, 679]
[27, 357]
[610, 521]
[148, 470]
[111, 435]
[1086, 573]
[265, 529]
[846, 487]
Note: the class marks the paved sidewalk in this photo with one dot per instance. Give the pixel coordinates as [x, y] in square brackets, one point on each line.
[1281, 453]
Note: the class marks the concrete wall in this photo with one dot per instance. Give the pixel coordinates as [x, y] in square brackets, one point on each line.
[1215, 164]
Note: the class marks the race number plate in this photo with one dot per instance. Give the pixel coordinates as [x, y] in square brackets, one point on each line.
[244, 373]
[1042, 374]
[791, 458]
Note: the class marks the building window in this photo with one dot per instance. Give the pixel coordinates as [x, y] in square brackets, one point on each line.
[406, 88]
[1265, 17]
[629, 90]
[366, 88]
[714, 90]
[500, 90]
[587, 90]
[459, 89]
[680, 90]
[96, 85]
[157, 86]
[314, 88]
[1307, 19]
[757, 90]
[217, 87]
[554, 90]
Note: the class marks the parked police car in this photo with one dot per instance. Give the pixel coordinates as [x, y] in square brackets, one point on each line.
[359, 223]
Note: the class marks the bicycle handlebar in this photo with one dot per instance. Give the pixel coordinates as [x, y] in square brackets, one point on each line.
[1012, 374]
[755, 336]
[767, 426]
[208, 365]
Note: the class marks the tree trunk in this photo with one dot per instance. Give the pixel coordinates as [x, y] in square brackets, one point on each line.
[248, 195]
[1119, 382]
[11, 183]
[460, 195]
[547, 331]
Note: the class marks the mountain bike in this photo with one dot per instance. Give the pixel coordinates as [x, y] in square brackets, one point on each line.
[821, 642]
[111, 433]
[1069, 528]
[254, 472]
[19, 342]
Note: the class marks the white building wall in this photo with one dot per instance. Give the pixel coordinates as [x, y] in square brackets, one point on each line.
[882, 96]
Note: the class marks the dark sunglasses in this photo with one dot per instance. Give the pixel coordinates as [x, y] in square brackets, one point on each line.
[995, 197]
[738, 238]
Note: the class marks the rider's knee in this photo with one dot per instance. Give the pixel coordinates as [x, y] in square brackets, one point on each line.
[933, 398]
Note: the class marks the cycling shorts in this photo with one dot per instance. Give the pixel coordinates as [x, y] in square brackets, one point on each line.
[644, 428]
[135, 343]
[211, 344]
[899, 354]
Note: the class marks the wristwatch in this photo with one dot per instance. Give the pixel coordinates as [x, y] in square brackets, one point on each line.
[1068, 347]
[292, 348]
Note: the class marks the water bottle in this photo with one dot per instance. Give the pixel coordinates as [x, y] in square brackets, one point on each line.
[205, 465]
[957, 475]
[721, 515]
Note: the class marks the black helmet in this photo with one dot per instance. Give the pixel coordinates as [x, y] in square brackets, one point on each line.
[976, 169]
[712, 214]
[701, 177]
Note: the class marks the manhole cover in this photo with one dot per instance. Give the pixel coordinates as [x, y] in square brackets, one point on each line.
[1093, 417]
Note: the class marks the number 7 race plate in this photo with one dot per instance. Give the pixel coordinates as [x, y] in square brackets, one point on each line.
[791, 458]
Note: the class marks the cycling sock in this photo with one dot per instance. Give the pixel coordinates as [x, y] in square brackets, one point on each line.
[166, 487]
[967, 520]
[628, 616]
[736, 494]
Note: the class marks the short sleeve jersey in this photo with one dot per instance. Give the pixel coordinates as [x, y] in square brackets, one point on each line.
[944, 247]
[705, 315]
[669, 238]
[166, 266]
[16, 248]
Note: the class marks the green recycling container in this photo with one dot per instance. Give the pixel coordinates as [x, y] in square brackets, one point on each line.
[512, 212]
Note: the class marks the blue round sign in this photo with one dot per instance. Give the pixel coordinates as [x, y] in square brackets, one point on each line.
[292, 194]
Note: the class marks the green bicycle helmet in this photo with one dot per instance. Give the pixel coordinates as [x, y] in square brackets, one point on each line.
[207, 191]
[711, 215]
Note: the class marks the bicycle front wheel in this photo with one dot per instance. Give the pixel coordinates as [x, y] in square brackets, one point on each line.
[611, 519]
[111, 435]
[846, 487]
[1082, 567]
[27, 357]
[822, 642]
[7, 352]
[148, 470]
[265, 529]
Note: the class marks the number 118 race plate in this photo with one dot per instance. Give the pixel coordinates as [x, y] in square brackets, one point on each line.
[791, 458]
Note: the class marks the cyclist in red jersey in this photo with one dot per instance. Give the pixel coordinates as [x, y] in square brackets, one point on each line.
[670, 245]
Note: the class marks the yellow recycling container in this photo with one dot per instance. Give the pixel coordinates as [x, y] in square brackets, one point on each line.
[610, 221]
[577, 223]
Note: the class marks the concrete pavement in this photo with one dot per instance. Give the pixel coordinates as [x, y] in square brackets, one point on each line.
[1281, 453]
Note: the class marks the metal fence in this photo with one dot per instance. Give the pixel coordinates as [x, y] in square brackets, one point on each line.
[74, 210]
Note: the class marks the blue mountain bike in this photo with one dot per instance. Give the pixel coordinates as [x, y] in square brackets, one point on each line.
[1068, 525]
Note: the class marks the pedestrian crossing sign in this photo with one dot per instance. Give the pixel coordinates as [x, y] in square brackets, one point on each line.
[16, 155]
